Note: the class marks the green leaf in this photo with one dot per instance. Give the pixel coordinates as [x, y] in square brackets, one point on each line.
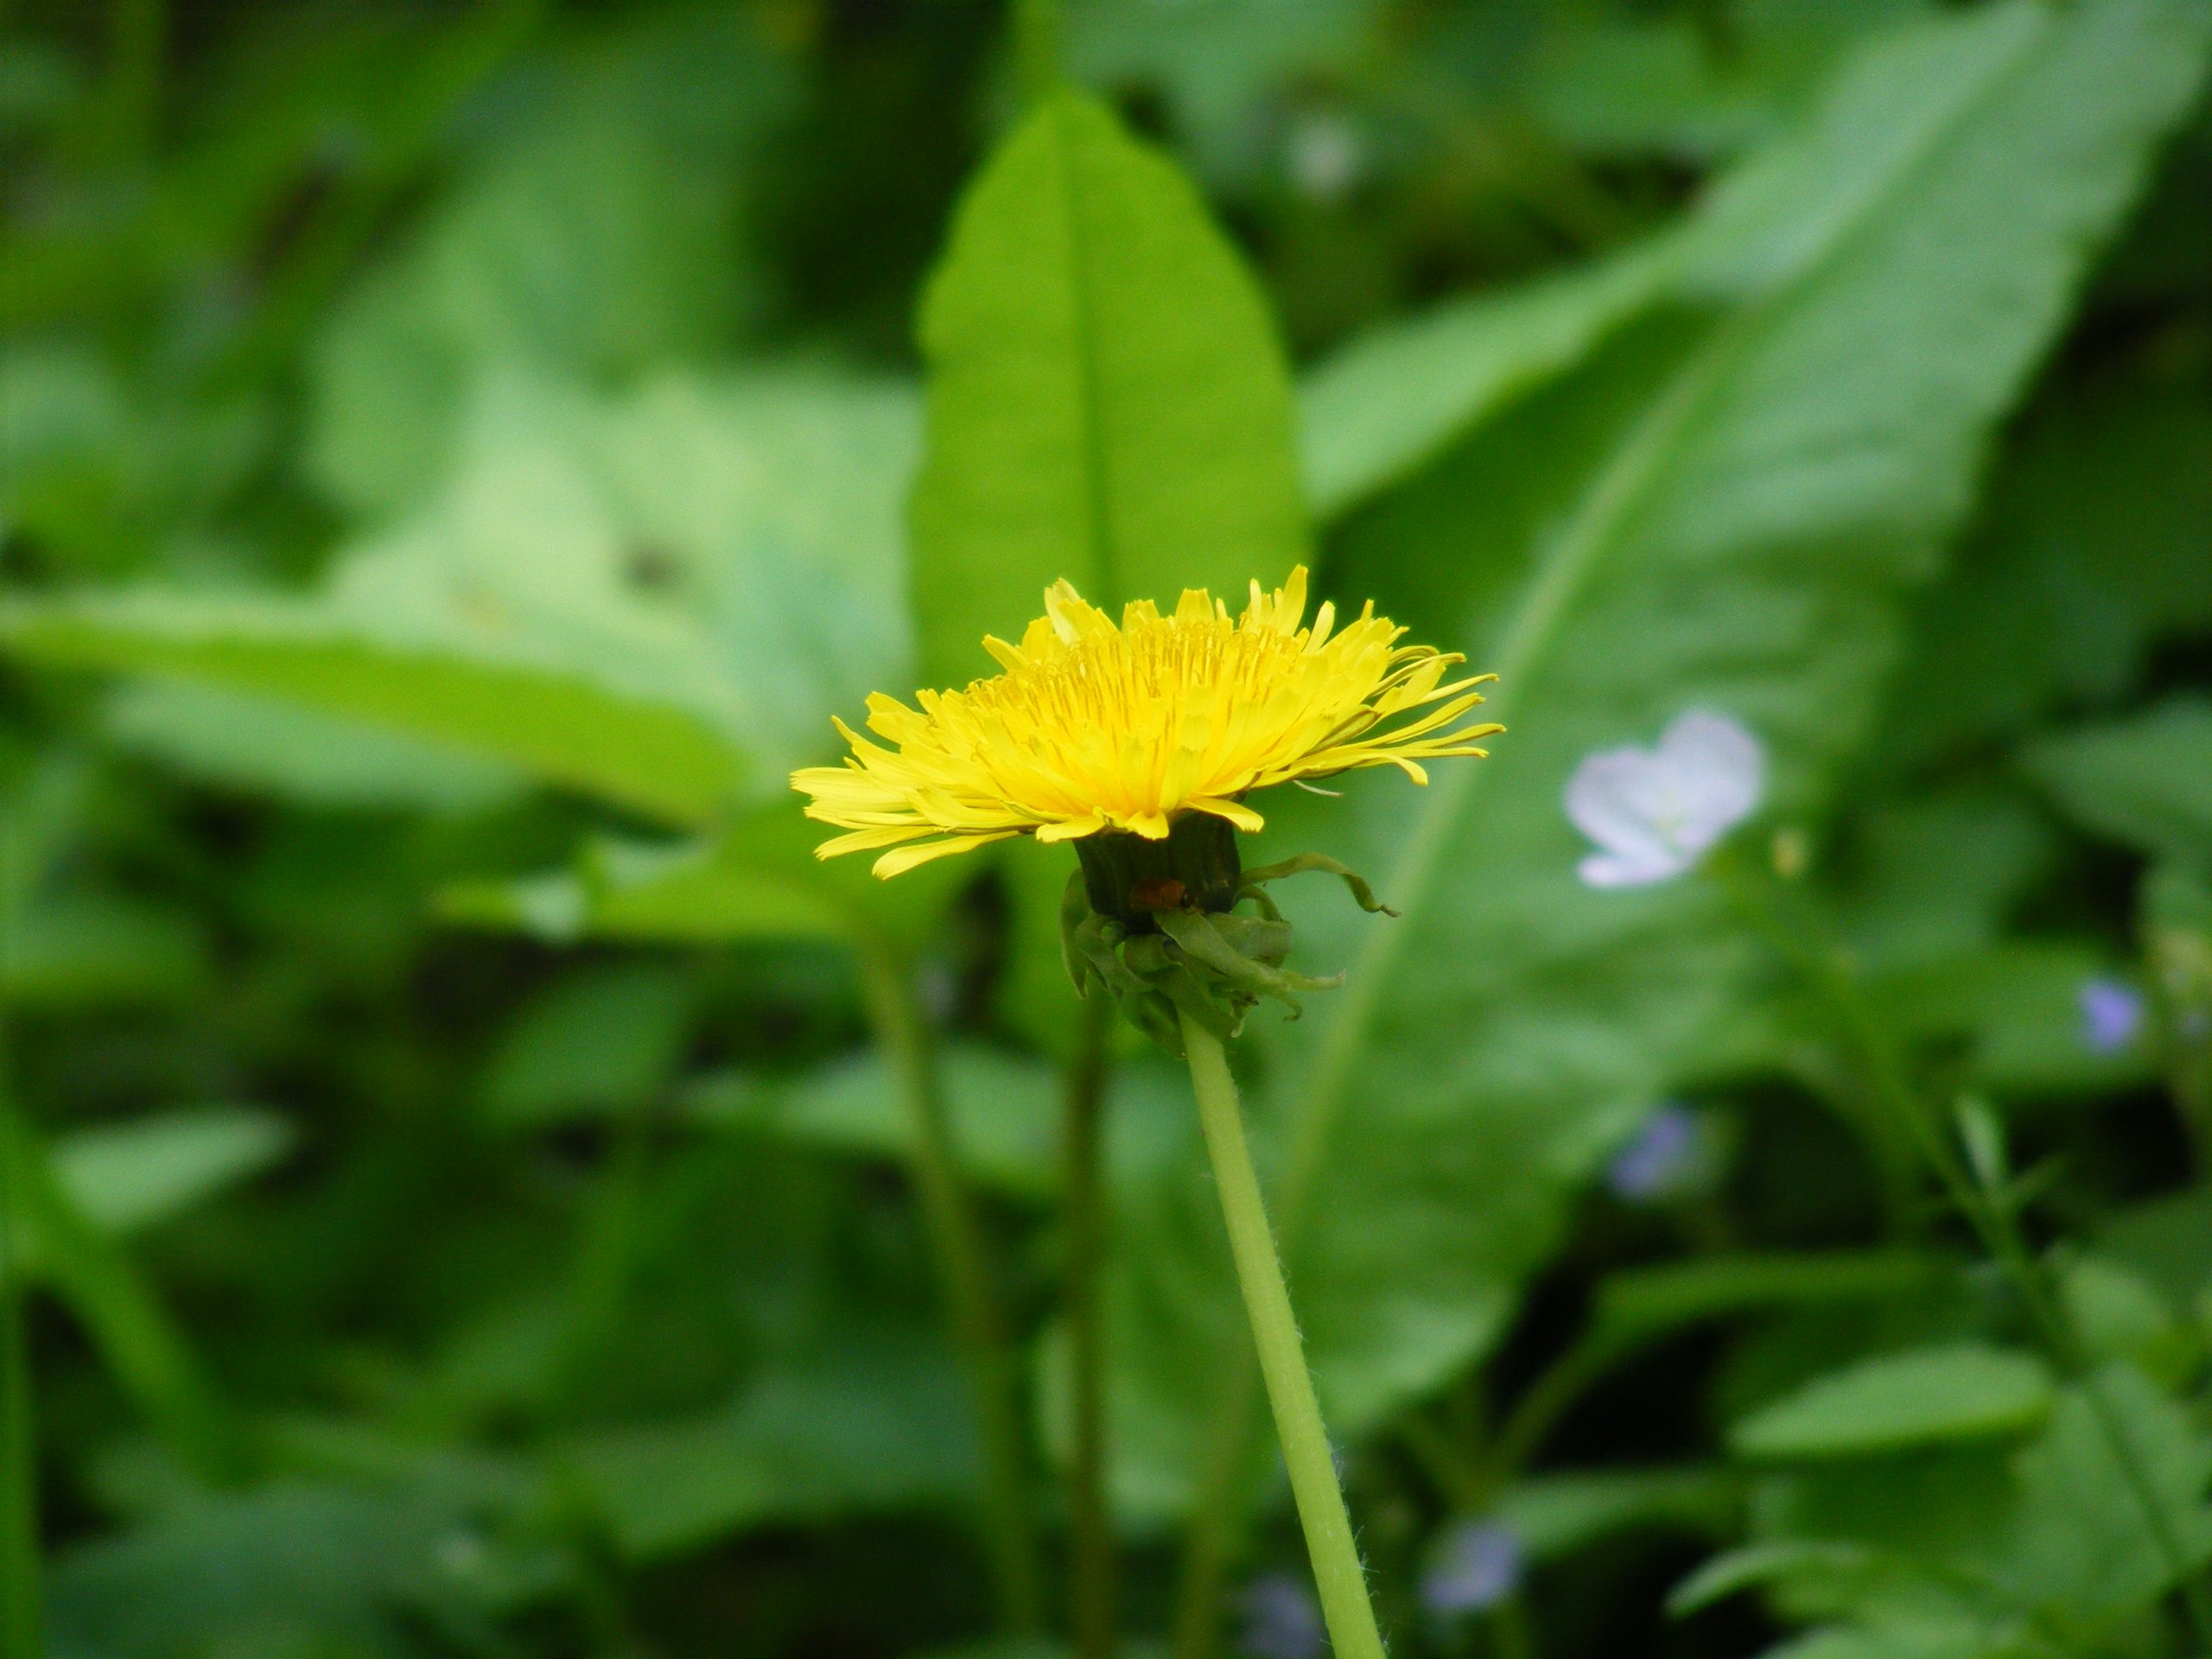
[87, 1268]
[299, 1566]
[757, 879]
[279, 748]
[1108, 402]
[603, 1040]
[1384, 406]
[599, 235]
[1925, 1397]
[2052, 1533]
[1753, 1565]
[1643, 1304]
[1004, 1113]
[132, 1175]
[886, 1427]
[2018, 1007]
[2090, 550]
[1726, 510]
[74, 949]
[2145, 781]
[1666, 83]
[2084, 1542]
[1555, 1513]
[2168, 1240]
[658, 600]
[659, 758]
[1786, 475]
[1920, 1632]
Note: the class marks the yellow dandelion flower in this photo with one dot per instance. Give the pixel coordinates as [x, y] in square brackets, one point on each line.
[1094, 728]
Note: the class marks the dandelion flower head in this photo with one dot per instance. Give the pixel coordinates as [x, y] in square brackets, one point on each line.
[1095, 728]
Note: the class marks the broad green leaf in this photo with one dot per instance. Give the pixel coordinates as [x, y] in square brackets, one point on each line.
[756, 879]
[2018, 1006]
[74, 949]
[2168, 1240]
[89, 1271]
[2090, 550]
[2085, 1543]
[1556, 1514]
[603, 1040]
[1107, 400]
[126, 1176]
[2145, 781]
[2122, 1316]
[886, 1427]
[1659, 84]
[2052, 1534]
[658, 600]
[280, 748]
[600, 235]
[1727, 511]
[1927, 1396]
[1938, 875]
[1384, 406]
[298, 1567]
[1641, 1304]
[1785, 474]
[1752, 1564]
[658, 758]
[1919, 1632]
[1005, 1112]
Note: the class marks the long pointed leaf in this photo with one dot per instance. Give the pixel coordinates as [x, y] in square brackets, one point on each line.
[1727, 511]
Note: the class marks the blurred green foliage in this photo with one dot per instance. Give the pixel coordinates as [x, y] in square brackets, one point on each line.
[476, 1186]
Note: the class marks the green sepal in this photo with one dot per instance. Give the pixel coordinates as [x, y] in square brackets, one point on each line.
[1249, 975]
[1159, 964]
[1363, 895]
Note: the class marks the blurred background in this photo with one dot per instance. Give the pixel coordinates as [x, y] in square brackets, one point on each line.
[462, 1191]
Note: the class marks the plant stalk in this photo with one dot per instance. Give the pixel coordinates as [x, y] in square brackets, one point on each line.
[1337, 1571]
[979, 1320]
[19, 1539]
[1090, 1526]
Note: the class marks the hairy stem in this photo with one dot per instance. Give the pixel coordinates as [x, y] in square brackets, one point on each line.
[1090, 1567]
[963, 1277]
[1337, 1571]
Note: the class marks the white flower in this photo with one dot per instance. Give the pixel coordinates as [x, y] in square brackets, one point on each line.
[1654, 812]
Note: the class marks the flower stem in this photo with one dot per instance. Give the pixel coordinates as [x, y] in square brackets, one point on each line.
[978, 1320]
[1337, 1571]
[1091, 1565]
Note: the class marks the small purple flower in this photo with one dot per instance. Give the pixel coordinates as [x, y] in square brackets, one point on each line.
[1282, 1619]
[1667, 1157]
[1654, 812]
[2112, 1014]
[1476, 1564]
